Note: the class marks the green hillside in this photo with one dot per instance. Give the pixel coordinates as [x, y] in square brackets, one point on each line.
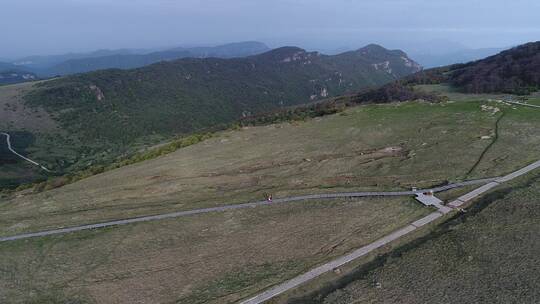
[93, 119]
[193, 94]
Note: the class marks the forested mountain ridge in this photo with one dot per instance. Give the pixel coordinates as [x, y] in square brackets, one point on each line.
[192, 94]
[515, 71]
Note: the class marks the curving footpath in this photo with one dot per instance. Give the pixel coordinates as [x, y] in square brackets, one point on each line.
[10, 148]
[239, 206]
[310, 275]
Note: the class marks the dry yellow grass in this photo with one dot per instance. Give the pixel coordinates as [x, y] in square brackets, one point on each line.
[372, 147]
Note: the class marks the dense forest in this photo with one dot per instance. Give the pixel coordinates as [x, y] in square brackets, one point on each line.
[515, 71]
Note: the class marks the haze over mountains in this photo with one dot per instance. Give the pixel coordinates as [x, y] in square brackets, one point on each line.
[427, 54]
[47, 66]
[10, 73]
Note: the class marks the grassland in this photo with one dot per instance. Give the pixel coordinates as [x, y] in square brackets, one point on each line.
[488, 255]
[369, 147]
[511, 139]
[222, 257]
[214, 258]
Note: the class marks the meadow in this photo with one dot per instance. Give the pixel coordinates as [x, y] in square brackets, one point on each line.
[223, 257]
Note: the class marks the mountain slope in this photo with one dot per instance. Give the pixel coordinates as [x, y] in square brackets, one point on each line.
[130, 61]
[516, 71]
[193, 94]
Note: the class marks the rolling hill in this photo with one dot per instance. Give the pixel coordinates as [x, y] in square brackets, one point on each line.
[192, 94]
[231, 255]
[88, 120]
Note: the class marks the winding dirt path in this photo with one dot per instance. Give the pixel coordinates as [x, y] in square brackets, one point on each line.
[8, 141]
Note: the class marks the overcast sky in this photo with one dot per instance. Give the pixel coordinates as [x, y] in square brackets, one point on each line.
[59, 26]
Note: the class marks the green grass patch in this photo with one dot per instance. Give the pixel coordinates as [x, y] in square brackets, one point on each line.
[492, 243]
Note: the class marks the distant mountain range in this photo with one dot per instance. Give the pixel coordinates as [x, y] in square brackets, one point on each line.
[16, 76]
[48, 66]
[191, 94]
[42, 62]
[436, 55]
[10, 73]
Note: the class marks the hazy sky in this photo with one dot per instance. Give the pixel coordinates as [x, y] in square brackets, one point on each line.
[58, 26]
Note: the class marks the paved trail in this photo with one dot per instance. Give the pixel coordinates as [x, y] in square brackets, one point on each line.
[522, 104]
[301, 279]
[235, 207]
[8, 141]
